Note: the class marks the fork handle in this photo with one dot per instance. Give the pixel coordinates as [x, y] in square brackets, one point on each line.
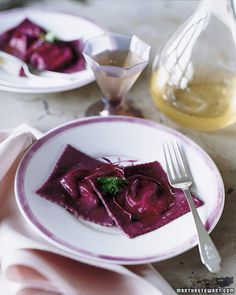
[209, 255]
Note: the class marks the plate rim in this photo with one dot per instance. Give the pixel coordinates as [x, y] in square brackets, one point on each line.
[52, 89]
[21, 199]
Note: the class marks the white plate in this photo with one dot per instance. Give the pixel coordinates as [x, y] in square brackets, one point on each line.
[125, 137]
[66, 26]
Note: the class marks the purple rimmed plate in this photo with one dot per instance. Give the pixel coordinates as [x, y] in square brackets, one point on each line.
[112, 137]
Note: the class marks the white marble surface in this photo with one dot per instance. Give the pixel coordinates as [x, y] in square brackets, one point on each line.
[153, 21]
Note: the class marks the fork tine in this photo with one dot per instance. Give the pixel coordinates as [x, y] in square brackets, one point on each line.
[175, 159]
[166, 160]
[171, 161]
[184, 161]
[178, 174]
[176, 164]
[179, 157]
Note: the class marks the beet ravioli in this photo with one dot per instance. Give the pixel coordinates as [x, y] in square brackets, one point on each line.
[41, 49]
[137, 198]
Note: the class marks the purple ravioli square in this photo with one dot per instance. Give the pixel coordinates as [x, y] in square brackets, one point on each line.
[147, 202]
[81, 201]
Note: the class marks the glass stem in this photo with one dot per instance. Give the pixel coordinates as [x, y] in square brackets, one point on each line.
[113, 103]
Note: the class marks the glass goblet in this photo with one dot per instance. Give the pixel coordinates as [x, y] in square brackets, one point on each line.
[116, 61]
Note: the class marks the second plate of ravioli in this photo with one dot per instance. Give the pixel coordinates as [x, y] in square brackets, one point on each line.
[127, 139]
[65, 26]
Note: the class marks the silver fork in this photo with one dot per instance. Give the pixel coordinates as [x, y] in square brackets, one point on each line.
[12, 65]
[179, 176]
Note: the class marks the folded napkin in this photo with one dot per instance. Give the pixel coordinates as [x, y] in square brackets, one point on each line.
[32, 266]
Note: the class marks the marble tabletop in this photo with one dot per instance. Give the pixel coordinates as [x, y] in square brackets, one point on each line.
[153, 21]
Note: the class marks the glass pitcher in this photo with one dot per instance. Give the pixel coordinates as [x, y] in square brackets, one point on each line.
[194, 77]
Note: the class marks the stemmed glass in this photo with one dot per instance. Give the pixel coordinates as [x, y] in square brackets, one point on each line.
[117, 61]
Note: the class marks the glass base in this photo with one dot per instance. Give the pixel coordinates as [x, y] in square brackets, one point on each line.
[100, 108]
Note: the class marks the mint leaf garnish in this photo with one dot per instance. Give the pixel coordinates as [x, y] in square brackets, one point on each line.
[49, 37]
[111, 185]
